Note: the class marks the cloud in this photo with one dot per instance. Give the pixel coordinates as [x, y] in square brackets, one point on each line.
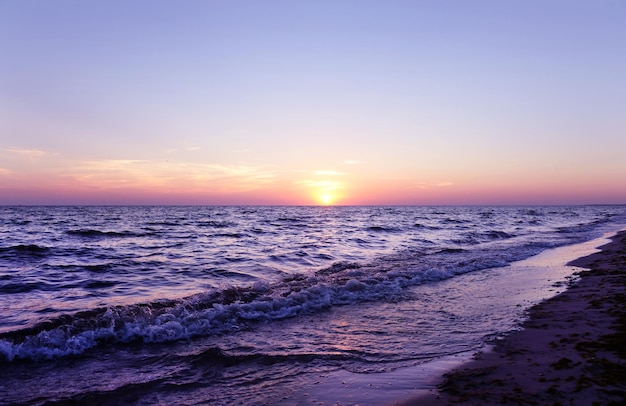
[170, 175]
[183, 149]
[29, 153]
[323, 181]
[329, 173]
[322, 185]
[412, 183]
[4, 171]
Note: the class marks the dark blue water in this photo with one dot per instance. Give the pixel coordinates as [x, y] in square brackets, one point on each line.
[232, 305]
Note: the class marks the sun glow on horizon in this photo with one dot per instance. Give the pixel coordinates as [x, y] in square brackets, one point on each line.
[325, 191]
[326, 199]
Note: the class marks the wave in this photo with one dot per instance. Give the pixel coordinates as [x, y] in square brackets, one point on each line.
[95, 268]
[455, 221]
[25, 248]
[218, 356]
[99, 284]
[236, 308]
[229, 235]
[477, 237]
[24, 251]
[91, 233]
[383, 229]
[419, 256]
[230, 275]
[24, 287]
[425, 227]
[216, 224]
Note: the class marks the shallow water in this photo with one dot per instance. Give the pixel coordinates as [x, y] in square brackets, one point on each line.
[239, 305]
[518, 286]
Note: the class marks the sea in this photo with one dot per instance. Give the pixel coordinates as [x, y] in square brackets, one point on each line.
[250, 305]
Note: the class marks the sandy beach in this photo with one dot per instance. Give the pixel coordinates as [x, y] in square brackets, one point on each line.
[571, 351]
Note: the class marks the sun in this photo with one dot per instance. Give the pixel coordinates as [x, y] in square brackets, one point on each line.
[326, 199]
[324, 192]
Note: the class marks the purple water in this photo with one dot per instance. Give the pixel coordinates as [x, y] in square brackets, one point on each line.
[237, 305]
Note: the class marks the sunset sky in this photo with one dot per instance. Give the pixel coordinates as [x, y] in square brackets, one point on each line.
[312, 102]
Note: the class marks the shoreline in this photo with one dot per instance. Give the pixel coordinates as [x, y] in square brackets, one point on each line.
[525, 284]
[571, 350]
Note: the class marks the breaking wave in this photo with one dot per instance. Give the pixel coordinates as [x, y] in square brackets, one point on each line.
[235, 308]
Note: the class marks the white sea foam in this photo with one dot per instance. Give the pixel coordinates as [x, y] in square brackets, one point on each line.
[459, 241]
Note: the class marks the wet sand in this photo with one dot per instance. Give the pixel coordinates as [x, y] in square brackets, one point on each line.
[571, 351]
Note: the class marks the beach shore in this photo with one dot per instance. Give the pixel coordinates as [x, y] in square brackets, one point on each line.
[571, 351]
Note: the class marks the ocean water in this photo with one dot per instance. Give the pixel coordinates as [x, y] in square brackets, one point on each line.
[245, 305]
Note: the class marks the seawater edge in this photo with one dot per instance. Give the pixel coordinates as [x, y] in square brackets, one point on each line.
[569, 352]
[404, 385]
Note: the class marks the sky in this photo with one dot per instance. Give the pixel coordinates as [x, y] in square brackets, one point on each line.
[348, 102]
